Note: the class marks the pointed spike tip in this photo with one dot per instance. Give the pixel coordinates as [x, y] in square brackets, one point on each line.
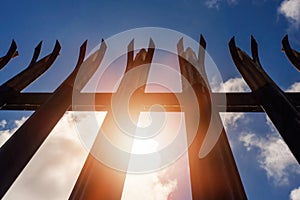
[234, 51]
[13, 44]
[180, 47]
[180, 40]
[57, 46]
[202, 41]
[103, 44]
[83, 46]
[84, 43]
[39, 46]
[285, 41]
[151, 43]
[131, 45]
[232, 42]
[253, 41]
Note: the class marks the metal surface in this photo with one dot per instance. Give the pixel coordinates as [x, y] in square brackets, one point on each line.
[15, 85]
[280, 109]
[12, 52]
[215, 176]
[22, 145]
[96, 180]
[292, 54]
[235, 102]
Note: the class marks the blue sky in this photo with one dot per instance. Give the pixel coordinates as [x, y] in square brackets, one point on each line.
[72, 22]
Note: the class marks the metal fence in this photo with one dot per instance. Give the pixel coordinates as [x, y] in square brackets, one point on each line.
[213, 177]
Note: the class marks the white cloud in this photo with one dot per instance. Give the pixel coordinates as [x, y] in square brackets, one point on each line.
[232, 2]
[230, 119]
[295, 87]
[172, 182]
[291, 10]
[273, 156]
[216, 3]
[271, 125]
[295, 194]
[52, 171]
[232, 85]
[149, 186]
[164, 183]
[213, 3]
[3, 123]
[5, 134]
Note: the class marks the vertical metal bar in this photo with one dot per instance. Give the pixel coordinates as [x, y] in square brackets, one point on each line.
[96, 180]
[281, 110]
[222, 150]
[36, 68]
[22, 145]
[12, 52]
[215, 176]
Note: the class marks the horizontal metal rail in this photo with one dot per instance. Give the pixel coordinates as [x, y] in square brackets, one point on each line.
[235, 102]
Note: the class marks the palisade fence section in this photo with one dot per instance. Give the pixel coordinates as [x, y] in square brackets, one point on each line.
[212, 177]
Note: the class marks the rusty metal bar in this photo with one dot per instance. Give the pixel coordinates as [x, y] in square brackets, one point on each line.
[11, 53]
[215, 176]
[97, 180]
[293, 55]
[280, 109]
[12, 87]
[22, 145]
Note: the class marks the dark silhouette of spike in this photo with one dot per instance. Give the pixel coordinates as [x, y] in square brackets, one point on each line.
[254, 51]
[36, 68]
[130, 53]
[36, 53]
[214, 176]
[12, 52]
[201, 58]
[293, 55]
[19, 149]
[275, 103]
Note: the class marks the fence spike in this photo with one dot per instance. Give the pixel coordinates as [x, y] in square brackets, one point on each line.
[37, 51]
[130, 52]
[293, 55]
[227, 177]
[94, 174]
[20, 81]
[12, 52]
[275, 103]
[29, 137]
[254, 51]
